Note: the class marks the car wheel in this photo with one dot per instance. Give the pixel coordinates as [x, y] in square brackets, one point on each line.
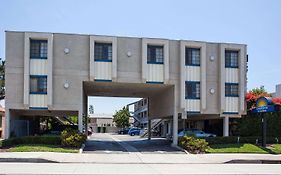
[121, 133]
[132, 134]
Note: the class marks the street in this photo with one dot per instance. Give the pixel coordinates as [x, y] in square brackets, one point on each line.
[123, 154]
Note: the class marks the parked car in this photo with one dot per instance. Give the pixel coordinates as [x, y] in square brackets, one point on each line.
[195, 132]
[124, 131]
[134, 131]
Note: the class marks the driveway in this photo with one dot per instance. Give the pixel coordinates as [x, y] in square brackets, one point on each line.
[124, 144]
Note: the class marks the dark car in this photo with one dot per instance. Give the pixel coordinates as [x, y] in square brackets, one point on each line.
[124, 131]
[134, 131]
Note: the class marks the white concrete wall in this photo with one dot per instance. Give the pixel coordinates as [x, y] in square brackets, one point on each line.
[192, 105]
[192, 73]
[38, 100]
[232, 104]
[155, 72]
[103, 70]
[231, 75]
[38, 66]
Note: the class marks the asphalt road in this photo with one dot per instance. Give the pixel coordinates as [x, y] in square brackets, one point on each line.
[124, 144]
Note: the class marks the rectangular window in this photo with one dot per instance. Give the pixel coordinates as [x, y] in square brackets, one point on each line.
[192, 56]
[103, 52]
[192, 90]
[155, 54]
[38, 49]
[231, 59]
[231, 89]
[38, 84]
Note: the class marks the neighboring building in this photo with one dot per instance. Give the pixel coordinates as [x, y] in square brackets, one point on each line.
[186, 82]
[277, 92]
[140, 113]
[103, 123]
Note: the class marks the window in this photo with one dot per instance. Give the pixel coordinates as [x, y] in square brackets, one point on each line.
[38, 84]
[38, 49]
[231, 59]
[192, 56]
[103, 52]
[192, 90]
[155, 54]
[231, 89]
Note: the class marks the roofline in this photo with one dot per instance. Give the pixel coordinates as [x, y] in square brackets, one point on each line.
[211, 42]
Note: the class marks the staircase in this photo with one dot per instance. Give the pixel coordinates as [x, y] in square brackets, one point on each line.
[154, 123]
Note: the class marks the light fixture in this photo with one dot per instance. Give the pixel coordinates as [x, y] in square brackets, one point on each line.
[212, 58]
[66, 85]
[66, 50]
[129, 54]
[212, 90]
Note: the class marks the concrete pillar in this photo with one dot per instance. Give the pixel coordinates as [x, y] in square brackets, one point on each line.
[149, 129]
[80, 121]
[7, 124]
[175, 127]
[226, 126]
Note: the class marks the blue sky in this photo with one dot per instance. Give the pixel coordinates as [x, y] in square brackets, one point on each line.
[256, 23]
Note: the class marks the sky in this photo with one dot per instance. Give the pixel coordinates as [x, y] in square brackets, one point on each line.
[256, 23]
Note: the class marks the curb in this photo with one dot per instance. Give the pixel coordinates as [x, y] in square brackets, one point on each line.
[82, 148]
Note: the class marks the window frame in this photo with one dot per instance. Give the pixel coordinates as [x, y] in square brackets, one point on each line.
[38, 84]
[153, 60]
[230, 60]
[40, 42]
[231, 90]
[186, 56]
[105, 53]
[194, 89]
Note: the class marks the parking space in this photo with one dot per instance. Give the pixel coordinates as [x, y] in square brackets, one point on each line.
[122, 144]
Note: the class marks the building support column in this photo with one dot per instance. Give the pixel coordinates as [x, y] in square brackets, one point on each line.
[149, 129]
[226, 126]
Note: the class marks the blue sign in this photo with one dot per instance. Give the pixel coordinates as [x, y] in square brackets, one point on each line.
[264, 104]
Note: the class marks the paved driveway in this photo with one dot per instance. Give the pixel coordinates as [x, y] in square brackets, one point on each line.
[124, 144]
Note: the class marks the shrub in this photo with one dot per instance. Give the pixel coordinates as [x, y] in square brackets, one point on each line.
[49, 140]
[193, 145]
[72, 138]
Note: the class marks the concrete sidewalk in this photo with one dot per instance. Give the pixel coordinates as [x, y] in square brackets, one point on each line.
[136, 158]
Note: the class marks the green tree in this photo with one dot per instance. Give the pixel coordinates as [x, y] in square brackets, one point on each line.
[260, 92]
[121, 118]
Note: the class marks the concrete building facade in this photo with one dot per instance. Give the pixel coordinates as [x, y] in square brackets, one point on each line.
[51, 74]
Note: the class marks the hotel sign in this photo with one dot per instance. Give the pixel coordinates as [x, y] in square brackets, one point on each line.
[264, 104]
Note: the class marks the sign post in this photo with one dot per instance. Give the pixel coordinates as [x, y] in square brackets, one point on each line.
[264, 105]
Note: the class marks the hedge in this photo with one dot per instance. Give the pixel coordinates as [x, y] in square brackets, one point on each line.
[48, 140]
[232, 140]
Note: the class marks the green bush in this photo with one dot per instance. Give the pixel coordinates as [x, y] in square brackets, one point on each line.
[50, 140]
[72, 138]
[193, 145]
[232, 140]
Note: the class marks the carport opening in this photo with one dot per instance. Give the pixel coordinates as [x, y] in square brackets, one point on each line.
[150, 107]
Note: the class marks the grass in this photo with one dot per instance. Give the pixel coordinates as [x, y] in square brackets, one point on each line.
[237, 148]
[40, 148]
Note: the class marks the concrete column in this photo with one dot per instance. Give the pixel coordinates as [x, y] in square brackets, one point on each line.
[80, 121]
[7, 124]
[175, 127]
[226, 126]
[149, 129]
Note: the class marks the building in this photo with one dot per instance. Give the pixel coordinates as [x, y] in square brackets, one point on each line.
[51, 74]
[140, 113]
[277, 92]
[103, 123]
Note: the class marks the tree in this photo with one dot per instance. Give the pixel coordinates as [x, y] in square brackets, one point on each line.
[121, 118]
